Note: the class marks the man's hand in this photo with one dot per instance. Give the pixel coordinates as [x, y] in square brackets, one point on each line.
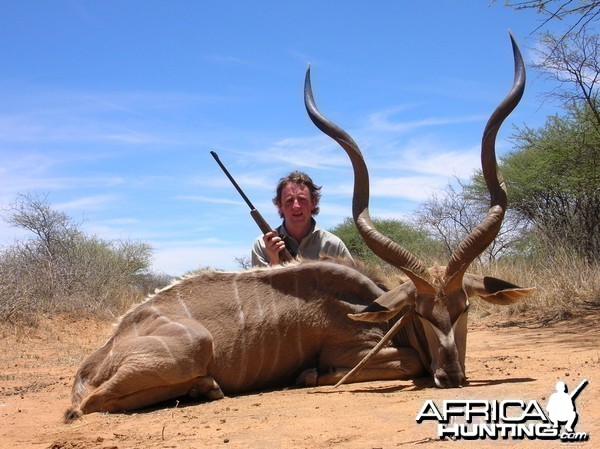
[273, 246]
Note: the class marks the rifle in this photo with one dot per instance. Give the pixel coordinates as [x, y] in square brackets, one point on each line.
[285, 255]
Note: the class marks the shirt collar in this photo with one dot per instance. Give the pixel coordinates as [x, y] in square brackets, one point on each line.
[314, 227]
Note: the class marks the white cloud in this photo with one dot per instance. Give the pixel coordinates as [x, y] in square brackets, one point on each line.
[87, 203]
[382, 121]
[316, 152]
[430, 157]
[209, 199]
[78, 116]
[122, 221]
[413, 188]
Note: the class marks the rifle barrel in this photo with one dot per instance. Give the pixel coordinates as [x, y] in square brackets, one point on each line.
[285, 254]
[235, 184]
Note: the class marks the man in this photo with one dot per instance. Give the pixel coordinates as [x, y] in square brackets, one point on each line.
[297, 200]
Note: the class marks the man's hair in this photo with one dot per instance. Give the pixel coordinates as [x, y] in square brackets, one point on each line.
[298, 177]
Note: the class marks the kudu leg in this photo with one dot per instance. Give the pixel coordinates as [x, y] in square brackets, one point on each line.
[103, 400]
[389, 364]
[143, 370]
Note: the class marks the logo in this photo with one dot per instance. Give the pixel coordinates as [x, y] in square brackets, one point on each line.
[465, 419]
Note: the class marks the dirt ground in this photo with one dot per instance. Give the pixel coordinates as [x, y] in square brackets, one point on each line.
[503, 362]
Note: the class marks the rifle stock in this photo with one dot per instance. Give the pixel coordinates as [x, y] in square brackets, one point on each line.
[284, 254]
[260, 221]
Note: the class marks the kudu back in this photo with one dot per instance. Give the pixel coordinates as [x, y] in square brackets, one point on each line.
[433, 305]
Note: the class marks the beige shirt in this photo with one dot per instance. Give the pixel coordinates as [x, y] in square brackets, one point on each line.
[317, 242]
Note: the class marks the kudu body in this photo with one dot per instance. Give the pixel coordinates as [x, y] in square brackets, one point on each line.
[433, 305]
[219, 333]
[222, 333]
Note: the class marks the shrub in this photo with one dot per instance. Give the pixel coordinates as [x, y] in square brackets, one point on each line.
[60, 269]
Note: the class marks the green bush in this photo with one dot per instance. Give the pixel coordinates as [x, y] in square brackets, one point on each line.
[415, 240]
[61, 269]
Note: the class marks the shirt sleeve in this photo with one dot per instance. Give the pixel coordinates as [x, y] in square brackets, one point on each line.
[259, 258]
[344, 251]
[331, 245]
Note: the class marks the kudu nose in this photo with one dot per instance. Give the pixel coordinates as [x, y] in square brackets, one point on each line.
[443, 379]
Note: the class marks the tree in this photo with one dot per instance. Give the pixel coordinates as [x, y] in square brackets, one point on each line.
[244, 262]
[553, 179]
[577, 14]
[61, 268]
[51, 228]
[450, 217]
[415, 240]
[554, 174]
[574, 62]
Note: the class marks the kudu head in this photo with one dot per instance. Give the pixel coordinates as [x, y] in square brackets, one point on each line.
[435, 300]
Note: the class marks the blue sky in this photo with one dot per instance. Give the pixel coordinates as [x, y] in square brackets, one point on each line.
[111, 108]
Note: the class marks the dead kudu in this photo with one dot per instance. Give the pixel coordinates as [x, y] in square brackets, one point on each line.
[219, 333]
[222, 333]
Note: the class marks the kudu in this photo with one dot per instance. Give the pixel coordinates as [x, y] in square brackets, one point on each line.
[433, 305]
[219, 333]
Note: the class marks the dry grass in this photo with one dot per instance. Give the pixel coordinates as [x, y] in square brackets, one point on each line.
[567, 287]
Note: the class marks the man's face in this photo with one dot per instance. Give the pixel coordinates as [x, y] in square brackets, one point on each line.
[295, 204]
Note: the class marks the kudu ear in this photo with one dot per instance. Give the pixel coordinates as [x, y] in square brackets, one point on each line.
[387, 305]
[494, 290]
